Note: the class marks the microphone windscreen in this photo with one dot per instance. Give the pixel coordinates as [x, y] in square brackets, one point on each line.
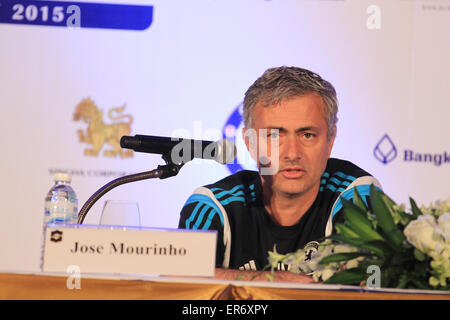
[129, 142]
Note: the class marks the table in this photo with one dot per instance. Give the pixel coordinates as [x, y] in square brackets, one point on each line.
[34, 286]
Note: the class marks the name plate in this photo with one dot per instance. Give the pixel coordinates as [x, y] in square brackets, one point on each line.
[105, 249]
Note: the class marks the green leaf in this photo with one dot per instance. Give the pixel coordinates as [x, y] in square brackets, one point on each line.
[358, 200]
[384, 217]
[415, 209]
[337, 257]
[389, 202]
[350, 206]
[359, 223]
[270, 277]
[349, 276]
[381, 210]
[403, 281]
[345, 231]
[361, 204]
[404, 217]
[419, 255]
[398, 215]
[377, 247]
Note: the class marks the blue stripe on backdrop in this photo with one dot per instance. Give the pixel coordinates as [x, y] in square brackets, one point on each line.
[76, 14]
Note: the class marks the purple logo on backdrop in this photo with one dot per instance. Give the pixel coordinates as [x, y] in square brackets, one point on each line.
[385, 150]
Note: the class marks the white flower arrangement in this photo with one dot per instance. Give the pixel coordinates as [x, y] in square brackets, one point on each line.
[412, 249]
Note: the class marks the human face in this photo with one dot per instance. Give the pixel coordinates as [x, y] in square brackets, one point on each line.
[303, 145]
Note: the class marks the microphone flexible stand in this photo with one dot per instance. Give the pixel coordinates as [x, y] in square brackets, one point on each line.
[169, 170]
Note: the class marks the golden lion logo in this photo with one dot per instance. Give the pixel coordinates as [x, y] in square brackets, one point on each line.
[98, 133]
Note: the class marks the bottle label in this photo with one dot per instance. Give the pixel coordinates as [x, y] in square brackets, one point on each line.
[61, 212]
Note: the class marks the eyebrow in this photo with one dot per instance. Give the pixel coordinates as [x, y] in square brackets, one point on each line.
[301, 129]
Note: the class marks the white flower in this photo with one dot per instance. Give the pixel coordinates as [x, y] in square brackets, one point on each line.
[421, 233]
[275, 257]
[444, 226]
[437, 208]
[441, 267]
[352, 264]
[327, 273]
[344, 248]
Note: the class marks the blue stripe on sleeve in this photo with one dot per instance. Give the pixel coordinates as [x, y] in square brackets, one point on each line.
[344, 176]
[200, 217]
[209, 203]
[225, 192]
[193, 214]
[210, 218]
[231, 199]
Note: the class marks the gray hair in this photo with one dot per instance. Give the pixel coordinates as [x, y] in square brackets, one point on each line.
[284, 82]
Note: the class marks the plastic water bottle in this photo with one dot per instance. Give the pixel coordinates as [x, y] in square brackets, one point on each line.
[61, 203]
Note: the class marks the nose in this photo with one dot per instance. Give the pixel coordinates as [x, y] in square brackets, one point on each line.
[292, 149]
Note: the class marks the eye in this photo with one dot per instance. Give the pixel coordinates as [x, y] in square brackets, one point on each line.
[273, 134]
[309, 135]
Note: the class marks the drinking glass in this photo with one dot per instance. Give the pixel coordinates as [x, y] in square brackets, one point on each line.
[120, 213]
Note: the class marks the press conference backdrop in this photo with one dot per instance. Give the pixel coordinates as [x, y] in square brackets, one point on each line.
[71, 70]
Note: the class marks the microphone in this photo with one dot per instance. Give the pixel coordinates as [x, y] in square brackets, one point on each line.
[182, 150]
